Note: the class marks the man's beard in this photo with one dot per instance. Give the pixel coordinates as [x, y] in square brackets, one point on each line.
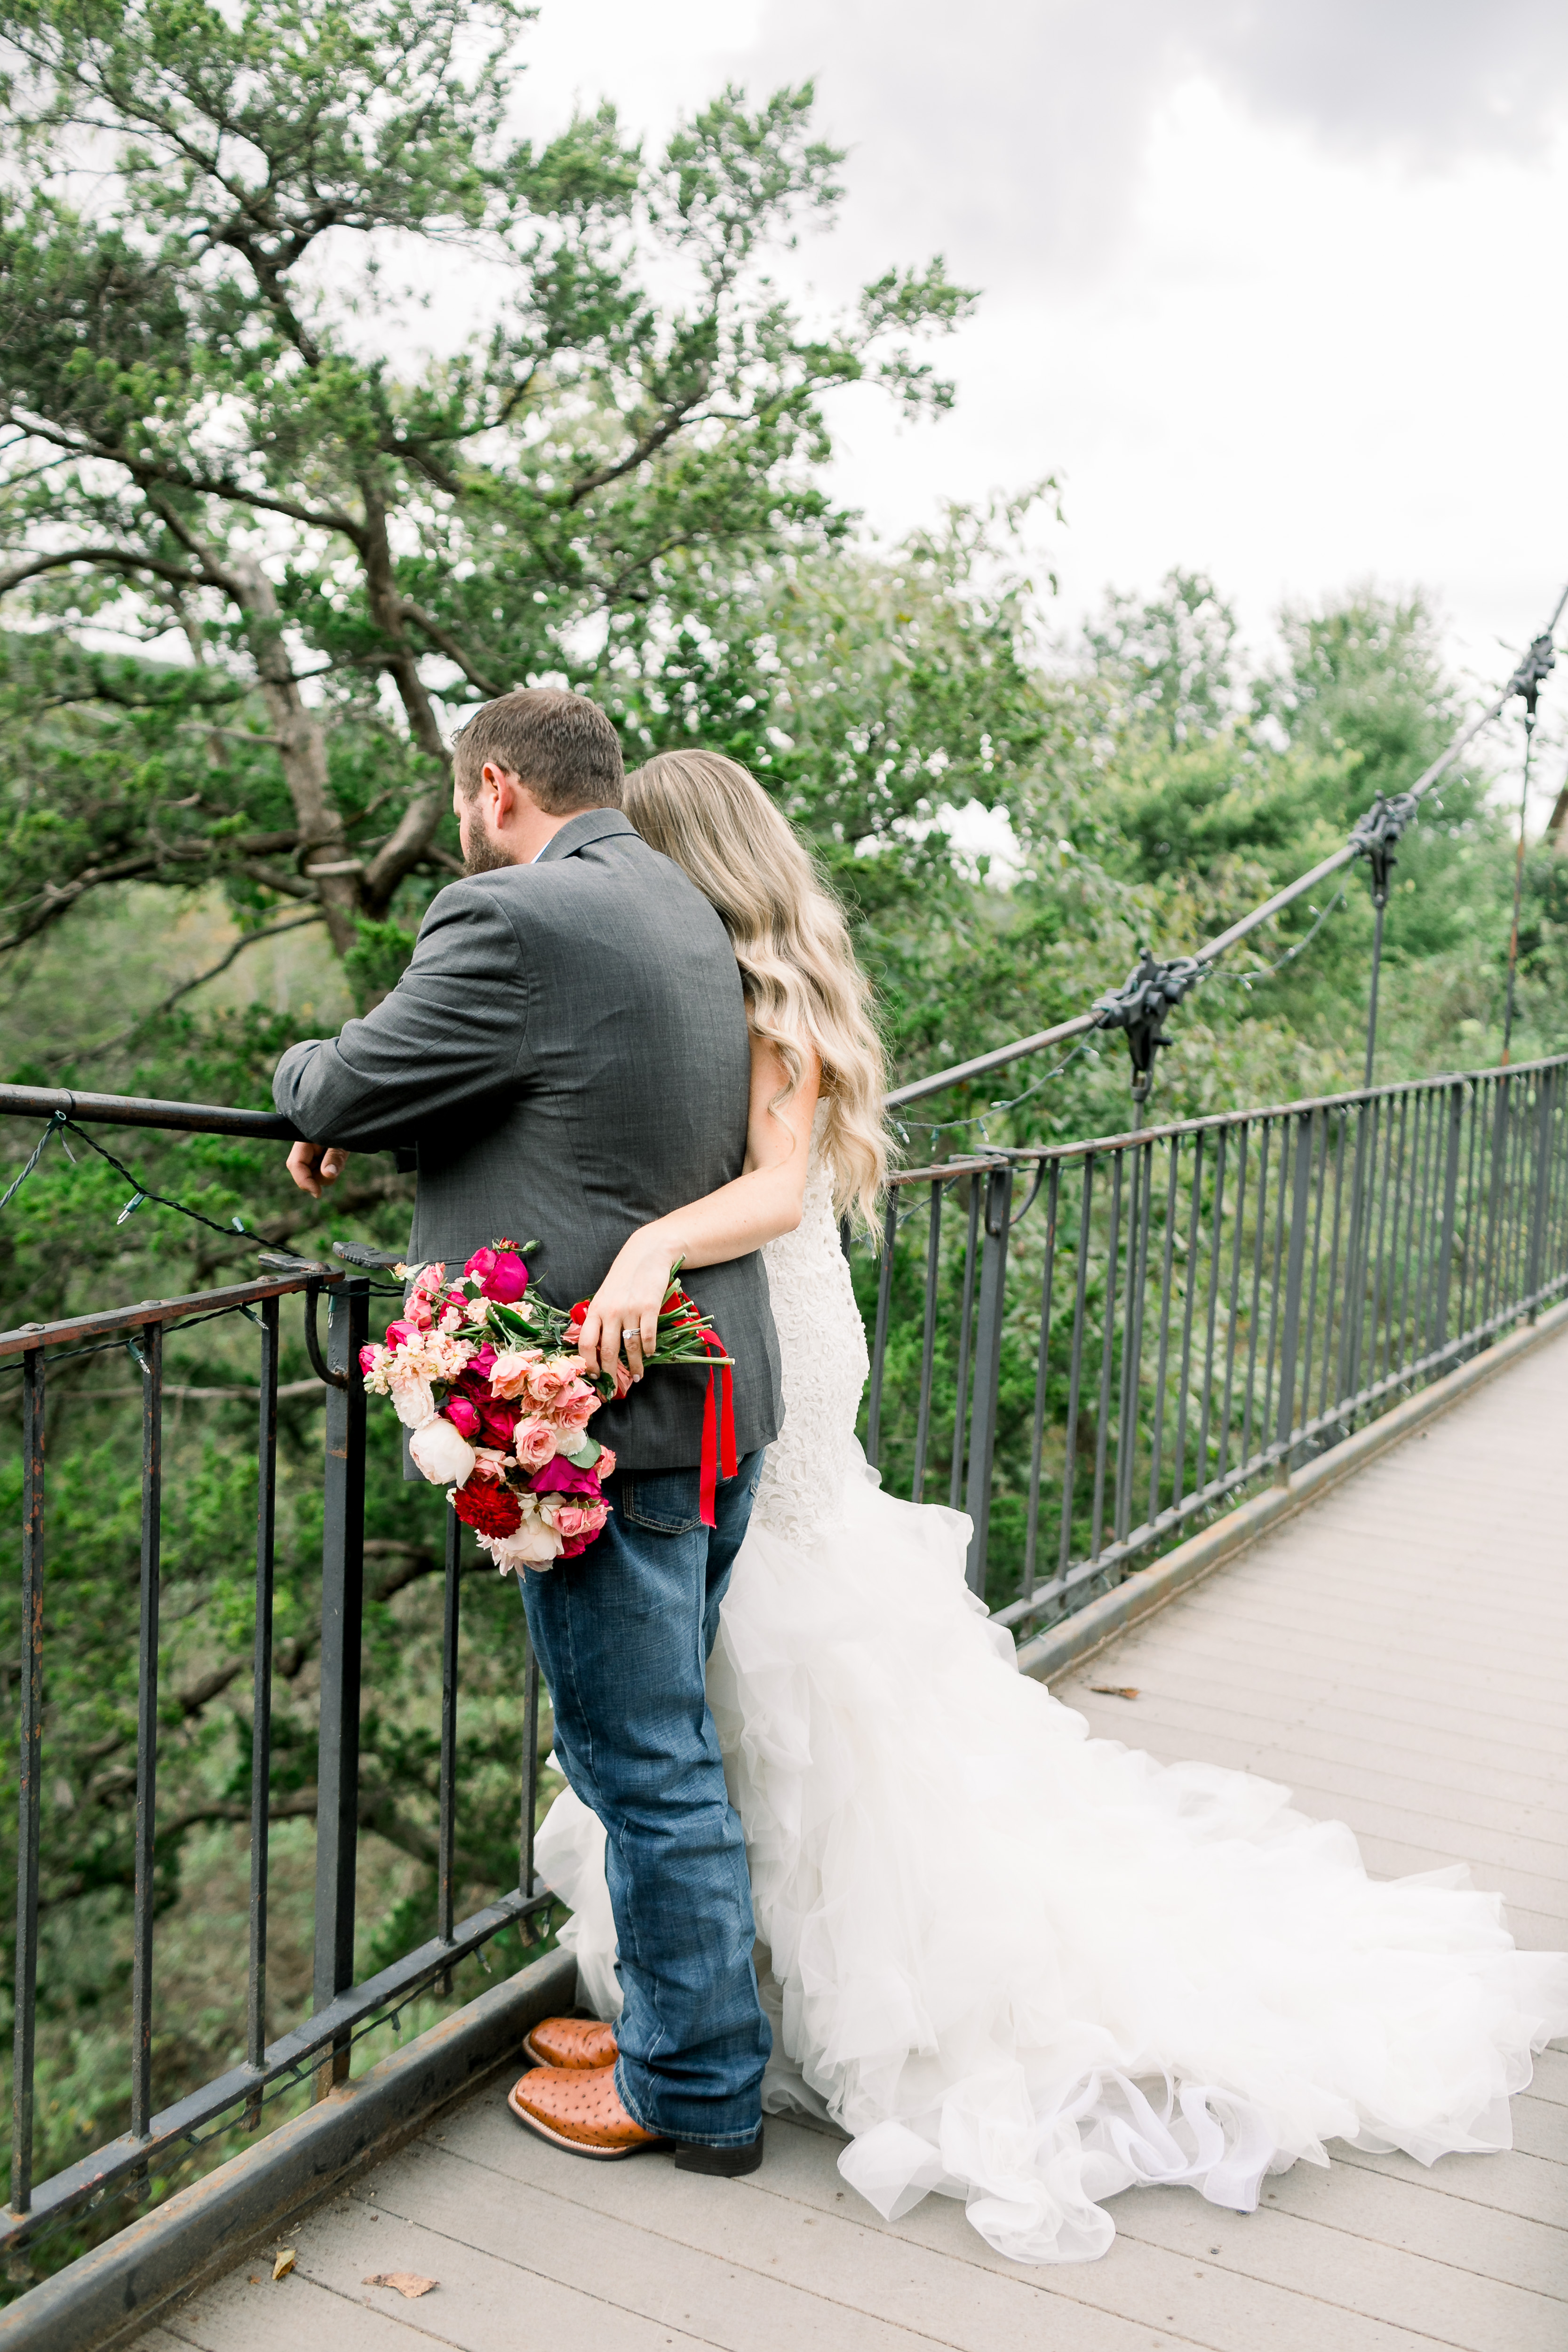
[481, 853]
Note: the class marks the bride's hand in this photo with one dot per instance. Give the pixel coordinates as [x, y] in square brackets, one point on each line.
[624, 1310]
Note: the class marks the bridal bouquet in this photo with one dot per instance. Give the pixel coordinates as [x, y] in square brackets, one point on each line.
[481, 1371]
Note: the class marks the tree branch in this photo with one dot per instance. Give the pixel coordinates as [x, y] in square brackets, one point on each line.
[648, 446]
[105, 558]
[273, 931]
[445, 642]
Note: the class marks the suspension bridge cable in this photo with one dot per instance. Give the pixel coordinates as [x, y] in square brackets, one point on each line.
[1137, 1006]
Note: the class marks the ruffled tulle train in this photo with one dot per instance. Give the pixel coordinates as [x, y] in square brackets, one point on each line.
[1030, 1968]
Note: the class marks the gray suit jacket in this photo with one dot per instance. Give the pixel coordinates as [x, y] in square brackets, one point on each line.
[568, 1052]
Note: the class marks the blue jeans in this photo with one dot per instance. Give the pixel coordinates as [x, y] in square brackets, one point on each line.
[623, 1635]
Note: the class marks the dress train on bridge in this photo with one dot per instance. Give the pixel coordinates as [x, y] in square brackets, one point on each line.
[1019, 1964]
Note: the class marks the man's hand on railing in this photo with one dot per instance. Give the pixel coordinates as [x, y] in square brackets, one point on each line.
[313, 1166]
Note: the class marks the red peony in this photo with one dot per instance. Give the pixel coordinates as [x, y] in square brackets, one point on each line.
[489, 1508]
[496, 1418]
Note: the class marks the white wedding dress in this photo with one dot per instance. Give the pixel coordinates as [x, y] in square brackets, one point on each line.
[1018, 1965]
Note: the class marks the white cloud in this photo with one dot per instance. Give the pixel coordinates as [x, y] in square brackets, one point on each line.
[1270, 285]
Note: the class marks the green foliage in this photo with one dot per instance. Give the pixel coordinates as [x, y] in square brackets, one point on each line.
[195, 369]
[375, 963]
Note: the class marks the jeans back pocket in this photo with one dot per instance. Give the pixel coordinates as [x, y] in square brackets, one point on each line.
[667, 1502]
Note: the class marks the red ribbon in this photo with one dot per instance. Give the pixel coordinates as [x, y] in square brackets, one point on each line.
[717, 1430]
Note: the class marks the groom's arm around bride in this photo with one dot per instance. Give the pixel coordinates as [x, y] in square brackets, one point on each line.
[568, 1051]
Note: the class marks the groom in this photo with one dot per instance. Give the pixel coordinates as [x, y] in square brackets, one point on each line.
[568, 1053]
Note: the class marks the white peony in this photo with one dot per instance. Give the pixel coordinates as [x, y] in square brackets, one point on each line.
[534, 1544]
[412, 1396]
[442, 1453]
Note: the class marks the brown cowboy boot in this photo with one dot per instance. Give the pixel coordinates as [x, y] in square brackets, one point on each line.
[579, 2108]
[571, 2042]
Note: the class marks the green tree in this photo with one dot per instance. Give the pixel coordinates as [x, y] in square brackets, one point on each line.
[230, 219]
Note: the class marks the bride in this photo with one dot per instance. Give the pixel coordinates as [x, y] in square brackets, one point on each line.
[1014, 1964]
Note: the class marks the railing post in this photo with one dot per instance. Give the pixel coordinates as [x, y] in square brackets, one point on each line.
[1450, 1208]
[879, 1344]
[261, 1697]
[147, 1737]
[987, 1368]
[446, 1803]
[1543, 1093]
[343, 1600]
[29, 1763]
[1290, 1338]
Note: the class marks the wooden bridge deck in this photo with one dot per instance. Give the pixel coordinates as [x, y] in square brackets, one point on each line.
[1397, 1655]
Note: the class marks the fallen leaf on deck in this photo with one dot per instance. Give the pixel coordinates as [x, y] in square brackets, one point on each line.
[284, 2264]
[407, 2282]
[1114, 1690]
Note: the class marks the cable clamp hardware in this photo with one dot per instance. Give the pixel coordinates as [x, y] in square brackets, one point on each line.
[1140, 1005]
[1375, 836]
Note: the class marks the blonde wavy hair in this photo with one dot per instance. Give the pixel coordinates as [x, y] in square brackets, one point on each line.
[804, 989]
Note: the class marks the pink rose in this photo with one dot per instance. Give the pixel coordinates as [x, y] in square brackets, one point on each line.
[622, 1378]
[509, 1369]
[586, 1523]
[463, 1416]
[398, 1335]
[429, 1278]
[483, 1364]
[604, 1467]
[573, 1409]
[417, 1314]
[369, 1357]
[534, 1443]
[500, 1274]
[544, 1383]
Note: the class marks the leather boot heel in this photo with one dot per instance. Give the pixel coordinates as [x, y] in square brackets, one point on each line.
[724, 2163]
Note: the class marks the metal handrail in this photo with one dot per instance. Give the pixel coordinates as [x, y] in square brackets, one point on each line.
[144, 1110]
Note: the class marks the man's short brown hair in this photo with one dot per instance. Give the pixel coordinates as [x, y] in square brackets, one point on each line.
[561, 746]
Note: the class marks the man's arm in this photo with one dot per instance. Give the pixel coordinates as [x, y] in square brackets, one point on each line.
[452, 1032]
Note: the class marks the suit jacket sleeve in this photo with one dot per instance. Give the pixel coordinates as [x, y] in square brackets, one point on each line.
[452, 1035]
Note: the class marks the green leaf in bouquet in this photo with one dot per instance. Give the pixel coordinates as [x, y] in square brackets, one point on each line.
[583, 1452]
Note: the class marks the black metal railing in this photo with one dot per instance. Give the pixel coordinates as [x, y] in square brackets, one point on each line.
[1087, 1346]
[1164, 1317]
[317, 2048]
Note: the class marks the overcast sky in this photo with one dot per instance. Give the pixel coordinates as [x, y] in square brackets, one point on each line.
[1274, 289]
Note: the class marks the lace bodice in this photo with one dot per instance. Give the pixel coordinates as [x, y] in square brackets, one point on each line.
[823, 1362]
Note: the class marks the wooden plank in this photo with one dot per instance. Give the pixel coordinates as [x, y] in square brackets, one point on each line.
[1179, 1725]
[1146, 2283]
[1513, 2182]
[1419, 2216]
[1534, 1718]
[545, 2221]
[1541, 2129]
[289, 2313]
[1434, 2298]
[866, 2284]
[934, 2267]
